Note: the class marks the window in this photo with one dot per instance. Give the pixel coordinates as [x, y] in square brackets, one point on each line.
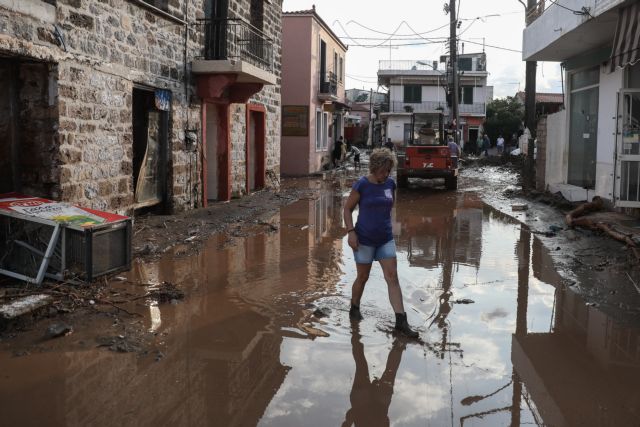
[325, 131]
[335, 63]
[318, 130]
[413, 94]
[340, 69]
[465, 64]
[257, 14]
[466, 95]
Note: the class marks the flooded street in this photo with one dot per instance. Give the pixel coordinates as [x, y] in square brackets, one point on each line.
[263, 336]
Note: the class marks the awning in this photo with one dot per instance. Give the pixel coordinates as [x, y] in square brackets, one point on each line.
[626, 44]
[340, 106]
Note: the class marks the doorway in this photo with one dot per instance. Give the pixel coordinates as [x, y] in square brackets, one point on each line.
[255, 150]
[150, 130]
[29, 137]
[583, 127]
[470, 146]
[216, 167]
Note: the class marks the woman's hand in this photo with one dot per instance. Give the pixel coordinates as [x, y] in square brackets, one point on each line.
[353, 240]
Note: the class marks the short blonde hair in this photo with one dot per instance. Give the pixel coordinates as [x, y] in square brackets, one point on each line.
[381, 158]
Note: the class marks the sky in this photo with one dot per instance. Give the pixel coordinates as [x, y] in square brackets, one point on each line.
[366, 26]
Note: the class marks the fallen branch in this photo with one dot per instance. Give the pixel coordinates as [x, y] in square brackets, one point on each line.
[608, 230]
[596, 204]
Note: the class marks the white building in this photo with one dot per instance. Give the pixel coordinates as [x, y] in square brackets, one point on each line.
[593, 146]
[418, 90]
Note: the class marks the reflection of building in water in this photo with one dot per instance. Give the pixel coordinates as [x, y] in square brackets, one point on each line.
[585, 371]
[449, 230]
[221, 362]
[311, 253]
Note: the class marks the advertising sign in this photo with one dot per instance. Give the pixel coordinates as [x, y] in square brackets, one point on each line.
[55, 211]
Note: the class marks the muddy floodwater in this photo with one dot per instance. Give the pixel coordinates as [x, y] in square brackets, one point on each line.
[263, 336]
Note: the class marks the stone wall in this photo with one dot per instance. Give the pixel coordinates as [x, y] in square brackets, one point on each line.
[102, 48]
[269, 97]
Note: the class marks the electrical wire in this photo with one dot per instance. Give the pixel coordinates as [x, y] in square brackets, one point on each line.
[492, 46]
[360, 80]
[584, 11]
[370, 46]
[399, 35]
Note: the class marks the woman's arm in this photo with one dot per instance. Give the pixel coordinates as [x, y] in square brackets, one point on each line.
[349, 205]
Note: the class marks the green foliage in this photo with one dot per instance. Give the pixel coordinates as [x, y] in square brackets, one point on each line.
[504, 116]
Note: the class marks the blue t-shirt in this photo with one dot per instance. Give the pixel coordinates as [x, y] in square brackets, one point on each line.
[374, 218]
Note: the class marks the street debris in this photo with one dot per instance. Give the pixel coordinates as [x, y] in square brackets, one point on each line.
[519, 207]
[576, 218]
[57, 330]
[464, 301]
[23, 305]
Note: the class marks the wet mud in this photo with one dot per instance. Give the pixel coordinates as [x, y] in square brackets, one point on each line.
[263, 337]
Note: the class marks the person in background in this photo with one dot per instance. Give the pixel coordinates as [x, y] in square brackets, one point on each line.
[390, 145]
[479, 144]
[500, 144]
[336, 154]
[454, 149]
[371, 238]
[486, 143]
[356, 156]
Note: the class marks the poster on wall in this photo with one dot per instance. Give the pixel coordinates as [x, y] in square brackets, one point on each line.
[295, 120]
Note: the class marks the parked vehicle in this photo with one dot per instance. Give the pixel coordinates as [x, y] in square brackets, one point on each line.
[425, 153]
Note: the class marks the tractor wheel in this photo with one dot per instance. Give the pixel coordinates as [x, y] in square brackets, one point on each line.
[451, 183]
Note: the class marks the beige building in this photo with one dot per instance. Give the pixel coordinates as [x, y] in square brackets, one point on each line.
[313, 95]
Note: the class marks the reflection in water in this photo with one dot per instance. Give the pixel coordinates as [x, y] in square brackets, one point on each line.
[585, 370]
[504, 342]
[370, 400]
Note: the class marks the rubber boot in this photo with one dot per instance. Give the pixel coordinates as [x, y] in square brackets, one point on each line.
[354, 313]
[403, 327]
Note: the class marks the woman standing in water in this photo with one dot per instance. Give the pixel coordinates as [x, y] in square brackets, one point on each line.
[372, 239]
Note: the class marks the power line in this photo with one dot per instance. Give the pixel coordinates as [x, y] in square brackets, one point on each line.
[399, 35]
[495, 47]
[361, 80]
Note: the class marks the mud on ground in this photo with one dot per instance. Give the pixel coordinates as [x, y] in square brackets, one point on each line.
[110, 303]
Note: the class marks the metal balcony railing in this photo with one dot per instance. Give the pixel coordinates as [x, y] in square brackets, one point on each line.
[407, 65]
[536, 11]
[475, 108]
[434, 107]
[329, 84]
[234, 38]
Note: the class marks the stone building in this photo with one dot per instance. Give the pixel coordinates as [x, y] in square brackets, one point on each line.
[105, 103]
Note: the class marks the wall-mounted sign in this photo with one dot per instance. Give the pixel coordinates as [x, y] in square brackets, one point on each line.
[295, 120]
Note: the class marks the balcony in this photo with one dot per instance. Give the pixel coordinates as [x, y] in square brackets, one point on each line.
[235, 55]
[475, 109]
[432, 107]
[558, 33]
[328, 90]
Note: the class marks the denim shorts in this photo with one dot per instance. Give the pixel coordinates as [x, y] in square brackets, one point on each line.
[368, 254]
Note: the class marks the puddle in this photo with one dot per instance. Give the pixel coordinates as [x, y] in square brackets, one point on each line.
[263, 335]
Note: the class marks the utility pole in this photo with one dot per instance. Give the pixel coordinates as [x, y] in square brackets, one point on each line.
[455, 116]
[530, 111]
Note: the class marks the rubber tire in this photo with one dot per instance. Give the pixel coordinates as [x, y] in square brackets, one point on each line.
[451, 183]
[403, 181]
